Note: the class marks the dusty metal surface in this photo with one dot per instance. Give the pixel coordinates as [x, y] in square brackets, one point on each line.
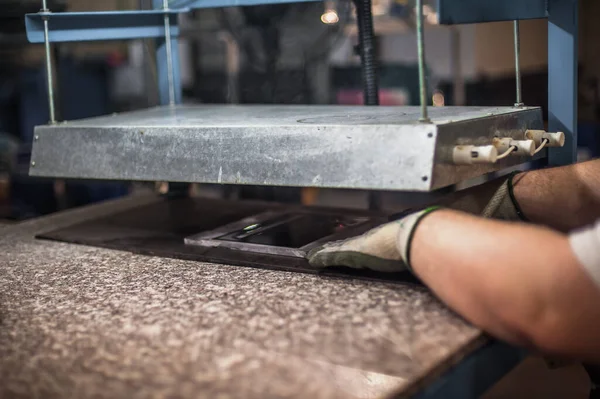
[379, 148]
[481, 132]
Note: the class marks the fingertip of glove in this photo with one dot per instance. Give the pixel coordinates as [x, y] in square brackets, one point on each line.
[310, 254]
[314, 258]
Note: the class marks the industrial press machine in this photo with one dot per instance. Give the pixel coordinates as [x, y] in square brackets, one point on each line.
[94, 322]
[366, 147]
[370, 147]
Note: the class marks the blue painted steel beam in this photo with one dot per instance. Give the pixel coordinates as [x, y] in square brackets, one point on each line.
[562, 77]
[105, 25]
[474, 11]
[197, 4]
[122, 25]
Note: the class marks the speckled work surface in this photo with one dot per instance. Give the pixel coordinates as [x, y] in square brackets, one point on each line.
[83, 322]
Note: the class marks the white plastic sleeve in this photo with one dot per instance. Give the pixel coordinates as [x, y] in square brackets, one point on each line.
[585, 243]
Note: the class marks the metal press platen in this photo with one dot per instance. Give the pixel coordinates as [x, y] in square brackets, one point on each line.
[378, 148]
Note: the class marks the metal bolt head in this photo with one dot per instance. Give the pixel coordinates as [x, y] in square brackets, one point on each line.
[32, 163]
[36, 138]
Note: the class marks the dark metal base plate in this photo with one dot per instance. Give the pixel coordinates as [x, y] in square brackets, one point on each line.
[160, 229]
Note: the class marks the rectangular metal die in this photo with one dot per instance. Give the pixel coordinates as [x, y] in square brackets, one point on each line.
[375, 148]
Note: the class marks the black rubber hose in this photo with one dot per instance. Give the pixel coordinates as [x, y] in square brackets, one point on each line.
[367, 51]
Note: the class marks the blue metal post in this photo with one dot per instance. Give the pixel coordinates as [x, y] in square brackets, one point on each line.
[162, 66]
[562, 77]
[474, 375]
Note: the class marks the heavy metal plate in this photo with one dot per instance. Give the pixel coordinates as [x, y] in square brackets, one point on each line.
[379, 148]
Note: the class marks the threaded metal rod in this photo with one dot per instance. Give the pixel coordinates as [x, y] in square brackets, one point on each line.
[367, 52]
[421, 55]
[49, 79]
[517, 39]
[169, 50]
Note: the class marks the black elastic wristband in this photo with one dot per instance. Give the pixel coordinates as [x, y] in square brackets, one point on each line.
[427, 212]
[511, 195]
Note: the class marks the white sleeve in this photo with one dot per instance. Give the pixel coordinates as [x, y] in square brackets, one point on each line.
[585, 243]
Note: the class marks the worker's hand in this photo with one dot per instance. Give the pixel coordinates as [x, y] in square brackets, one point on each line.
[385, 248]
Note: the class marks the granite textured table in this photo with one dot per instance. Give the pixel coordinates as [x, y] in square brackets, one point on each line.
[85, 322]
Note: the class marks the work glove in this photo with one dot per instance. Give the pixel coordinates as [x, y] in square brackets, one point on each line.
[503, 204]
[385, 248]
[494, 199]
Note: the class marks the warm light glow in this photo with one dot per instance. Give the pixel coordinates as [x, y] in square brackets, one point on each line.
[433, 19]
[438, 99]
[430, 15]
[379, 9]
[330, 17]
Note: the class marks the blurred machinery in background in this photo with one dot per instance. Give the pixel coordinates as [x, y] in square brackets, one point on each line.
[23, 106]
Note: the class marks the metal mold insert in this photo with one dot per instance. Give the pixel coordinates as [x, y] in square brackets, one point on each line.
[285, 233]
[372, 148]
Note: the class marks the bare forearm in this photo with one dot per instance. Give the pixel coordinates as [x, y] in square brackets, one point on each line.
[562, 198]
[519, 283]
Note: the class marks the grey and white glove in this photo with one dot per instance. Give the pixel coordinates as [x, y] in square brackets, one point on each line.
[503, 205]
[385, 248]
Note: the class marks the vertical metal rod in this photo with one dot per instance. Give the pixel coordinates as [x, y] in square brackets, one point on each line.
[421, 54]
[517, 35]
[367, 50]
[49, 77]
[169, 50]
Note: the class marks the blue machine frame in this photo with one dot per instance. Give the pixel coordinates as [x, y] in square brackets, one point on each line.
[563, 21]
[452, 12]
[107, 25]
[134, 24]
